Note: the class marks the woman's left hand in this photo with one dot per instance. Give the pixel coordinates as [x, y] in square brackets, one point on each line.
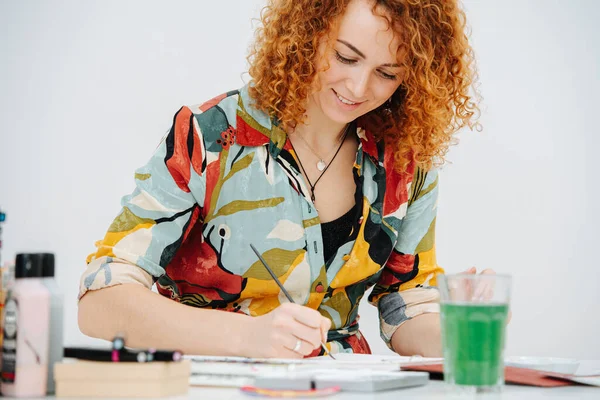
[485, 290]
[473, 271]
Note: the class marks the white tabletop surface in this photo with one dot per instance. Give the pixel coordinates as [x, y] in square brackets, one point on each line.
[433, 390]
[436, 389]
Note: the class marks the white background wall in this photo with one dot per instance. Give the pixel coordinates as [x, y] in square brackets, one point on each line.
[88, 88]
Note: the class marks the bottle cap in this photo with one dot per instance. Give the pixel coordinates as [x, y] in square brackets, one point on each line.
[47, 264]
[28, 265]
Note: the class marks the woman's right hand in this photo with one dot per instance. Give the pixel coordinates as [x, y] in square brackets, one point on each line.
[278, 333]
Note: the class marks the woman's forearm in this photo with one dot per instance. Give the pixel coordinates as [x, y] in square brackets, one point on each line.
[147, 319]
[420, 335]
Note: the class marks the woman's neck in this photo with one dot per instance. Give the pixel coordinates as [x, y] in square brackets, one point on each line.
[319, 131]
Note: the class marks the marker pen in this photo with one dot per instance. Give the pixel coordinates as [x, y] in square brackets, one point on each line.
[121, 356]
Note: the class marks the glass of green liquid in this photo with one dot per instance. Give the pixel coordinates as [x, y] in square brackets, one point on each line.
[474, 314]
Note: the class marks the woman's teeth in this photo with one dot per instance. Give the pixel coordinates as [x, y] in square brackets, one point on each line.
[345, 101]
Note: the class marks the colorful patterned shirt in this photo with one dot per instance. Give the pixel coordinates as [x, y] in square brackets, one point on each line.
[224, 177]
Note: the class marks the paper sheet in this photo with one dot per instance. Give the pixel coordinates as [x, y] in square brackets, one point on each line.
[240, 371]
[343, 361]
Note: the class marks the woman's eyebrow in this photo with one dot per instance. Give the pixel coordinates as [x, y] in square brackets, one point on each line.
[362, 55]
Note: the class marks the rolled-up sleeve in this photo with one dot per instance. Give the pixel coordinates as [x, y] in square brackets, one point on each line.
[157, 216]
[407, 285]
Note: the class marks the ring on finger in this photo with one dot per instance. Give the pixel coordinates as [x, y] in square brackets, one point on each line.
[297, 346]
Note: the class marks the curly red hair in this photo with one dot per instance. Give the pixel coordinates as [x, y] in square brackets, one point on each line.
[431, 104]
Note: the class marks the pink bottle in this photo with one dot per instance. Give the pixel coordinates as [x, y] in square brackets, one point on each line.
[26, 324]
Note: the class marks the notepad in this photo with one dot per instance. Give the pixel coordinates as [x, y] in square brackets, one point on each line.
[364, 380]
[241, 371]
[521, 376]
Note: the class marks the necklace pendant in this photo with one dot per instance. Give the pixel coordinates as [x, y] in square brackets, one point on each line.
[321, 165]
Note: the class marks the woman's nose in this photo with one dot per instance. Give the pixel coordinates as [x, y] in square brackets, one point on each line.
[358, 84]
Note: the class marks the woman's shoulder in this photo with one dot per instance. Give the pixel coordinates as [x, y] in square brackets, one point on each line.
[216, 113]
[217, 118]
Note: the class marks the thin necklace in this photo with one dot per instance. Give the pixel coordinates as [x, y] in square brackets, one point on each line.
[312, 185]
[322, 164]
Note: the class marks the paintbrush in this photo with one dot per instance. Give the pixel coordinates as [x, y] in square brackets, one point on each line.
[285, 292]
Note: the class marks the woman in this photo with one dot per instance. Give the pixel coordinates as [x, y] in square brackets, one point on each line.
[324, 162]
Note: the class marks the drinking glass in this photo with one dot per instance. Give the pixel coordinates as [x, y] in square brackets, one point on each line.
[474, 313]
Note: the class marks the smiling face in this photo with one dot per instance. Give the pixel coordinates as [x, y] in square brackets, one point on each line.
[363, 65]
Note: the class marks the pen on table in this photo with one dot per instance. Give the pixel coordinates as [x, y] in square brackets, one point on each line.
[285, 292]
[121, 356]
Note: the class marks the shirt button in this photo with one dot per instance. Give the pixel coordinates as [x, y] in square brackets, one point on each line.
[319, 288]
[346, 257]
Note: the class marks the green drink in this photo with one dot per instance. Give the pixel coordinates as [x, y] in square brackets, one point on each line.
[473, 343]
[474, 313]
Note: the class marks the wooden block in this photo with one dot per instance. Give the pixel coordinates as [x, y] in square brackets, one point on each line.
[131, 389]
[122, 379]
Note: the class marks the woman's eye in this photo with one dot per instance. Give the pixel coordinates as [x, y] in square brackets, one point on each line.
[387, 76]
[343, 60]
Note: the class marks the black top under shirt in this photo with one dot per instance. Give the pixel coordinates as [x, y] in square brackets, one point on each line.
[335, 233]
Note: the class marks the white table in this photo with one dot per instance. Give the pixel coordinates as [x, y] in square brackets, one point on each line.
[433, 390]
